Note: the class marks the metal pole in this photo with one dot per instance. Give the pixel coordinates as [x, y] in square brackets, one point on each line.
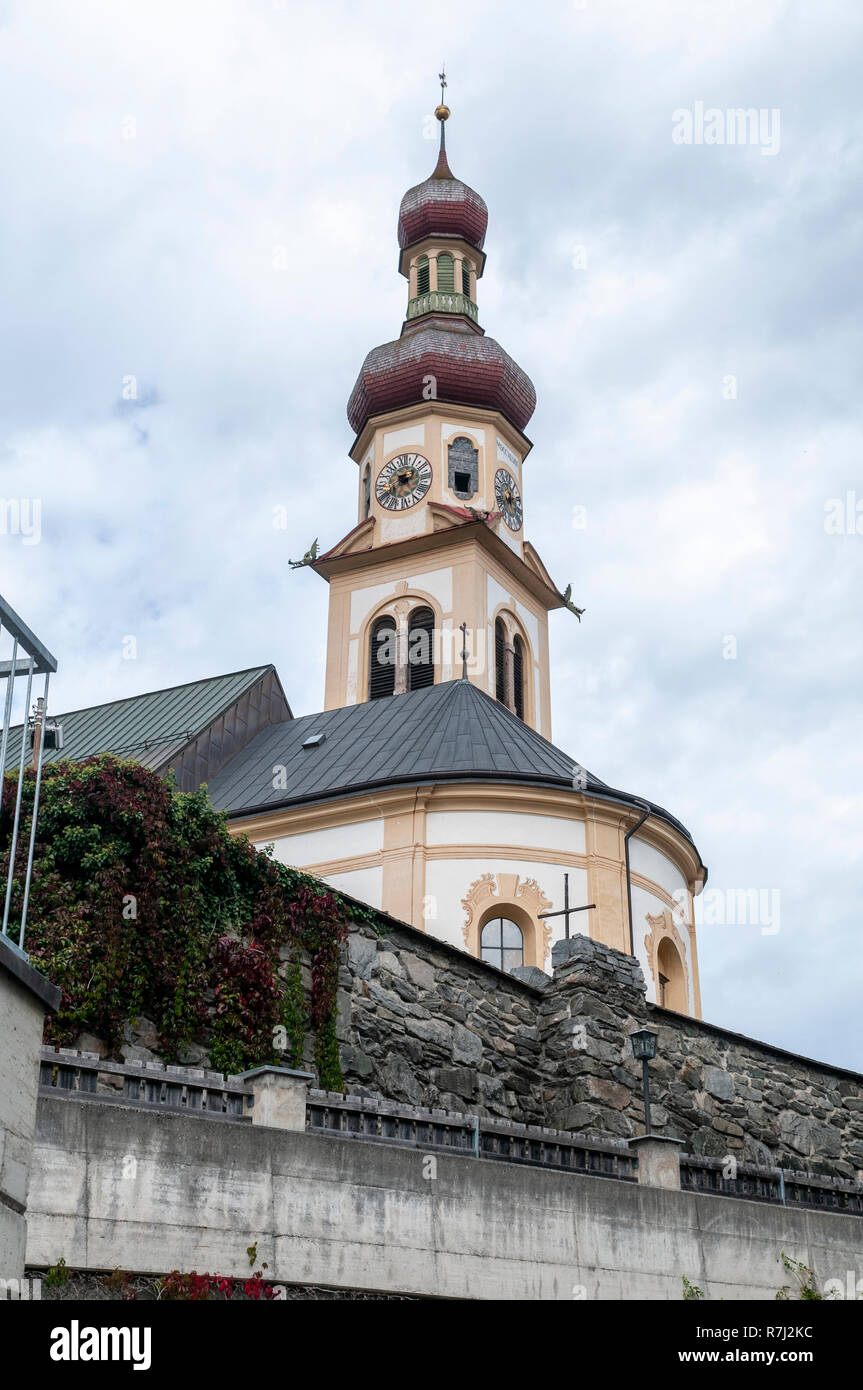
[14, 845]
[626, 839]
[646, 1081]
[35, 812]
[10, 685]
[566, 903]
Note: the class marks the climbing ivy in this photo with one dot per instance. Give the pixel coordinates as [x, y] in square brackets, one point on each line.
[143, 903]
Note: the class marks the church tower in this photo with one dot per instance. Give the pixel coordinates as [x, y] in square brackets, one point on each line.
[428, 786]
[438, 563]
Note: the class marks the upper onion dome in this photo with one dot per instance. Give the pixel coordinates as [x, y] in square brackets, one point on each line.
[442, 206]
[468, 370]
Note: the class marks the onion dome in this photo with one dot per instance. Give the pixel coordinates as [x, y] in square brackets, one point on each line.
[468, 370]
[442, 206]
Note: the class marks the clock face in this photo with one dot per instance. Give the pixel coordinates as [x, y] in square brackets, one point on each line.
[403, 481]
[507, 497]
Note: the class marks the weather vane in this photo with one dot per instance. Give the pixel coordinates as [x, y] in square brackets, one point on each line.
[442, 80]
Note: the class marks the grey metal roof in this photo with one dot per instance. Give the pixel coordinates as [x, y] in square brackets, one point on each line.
[151, 727]
[448, 732]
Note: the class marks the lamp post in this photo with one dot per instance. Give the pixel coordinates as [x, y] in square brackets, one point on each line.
[643, 1043]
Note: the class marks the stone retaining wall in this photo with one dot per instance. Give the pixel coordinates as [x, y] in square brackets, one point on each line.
[425, 1023]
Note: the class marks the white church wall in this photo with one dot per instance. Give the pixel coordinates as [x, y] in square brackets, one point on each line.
[530, 624]
[400, 439]
[438, 583]
[365, 884]
[398, 528]
[334, 842]
[448, 429]
[448, 881]
[496, 594]
[653, 864]
[505, 828]
[365, 599]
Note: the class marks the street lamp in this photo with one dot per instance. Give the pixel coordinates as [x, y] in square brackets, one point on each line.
[644, 1048]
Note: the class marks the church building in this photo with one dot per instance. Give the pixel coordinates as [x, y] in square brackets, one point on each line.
[428, 785]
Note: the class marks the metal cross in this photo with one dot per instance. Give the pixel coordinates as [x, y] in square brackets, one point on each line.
[566, 911]
[463, 630]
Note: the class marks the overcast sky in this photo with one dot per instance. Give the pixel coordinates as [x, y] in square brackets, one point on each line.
[203, 197]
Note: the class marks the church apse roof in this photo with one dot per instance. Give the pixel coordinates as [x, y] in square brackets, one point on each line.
[448, 732]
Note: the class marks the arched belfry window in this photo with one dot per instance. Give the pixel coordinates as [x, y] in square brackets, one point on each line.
[518, 675]
[367, 492]
[502, 943]
[511, 669]
[500, 661]
[423, 275]
[420, 649]
[445, 272]
[465, 278]
[383, 656]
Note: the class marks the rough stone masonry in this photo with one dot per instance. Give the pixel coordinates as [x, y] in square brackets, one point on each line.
[423, 1022]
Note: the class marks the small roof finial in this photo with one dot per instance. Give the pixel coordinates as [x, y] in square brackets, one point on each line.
[442, 111]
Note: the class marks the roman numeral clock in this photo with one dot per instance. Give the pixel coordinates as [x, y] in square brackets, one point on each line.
[403, 482]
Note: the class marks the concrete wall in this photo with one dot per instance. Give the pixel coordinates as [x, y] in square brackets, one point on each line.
[24, 996]
[116, 1187]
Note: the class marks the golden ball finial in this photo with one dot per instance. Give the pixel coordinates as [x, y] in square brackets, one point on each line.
[442, 112]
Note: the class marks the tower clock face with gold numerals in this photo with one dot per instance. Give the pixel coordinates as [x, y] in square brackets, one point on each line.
[507, 496]
[403, 482]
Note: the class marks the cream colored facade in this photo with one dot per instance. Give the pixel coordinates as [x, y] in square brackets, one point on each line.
[447, 857]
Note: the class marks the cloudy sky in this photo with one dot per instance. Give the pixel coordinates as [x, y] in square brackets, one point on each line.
[199, 206]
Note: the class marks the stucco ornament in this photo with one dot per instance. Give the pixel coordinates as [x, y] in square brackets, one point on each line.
[662, 924]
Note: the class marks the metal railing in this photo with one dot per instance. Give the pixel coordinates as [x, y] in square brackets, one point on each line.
[37, 661]
[148, 1085]
[784, 1186]
[471, 1136]
[441, 301]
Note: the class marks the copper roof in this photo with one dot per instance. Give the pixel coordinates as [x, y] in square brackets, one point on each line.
[468, 370]
[443, 206]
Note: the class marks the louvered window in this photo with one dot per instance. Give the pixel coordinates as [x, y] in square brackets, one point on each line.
[465, 278]
[499, 662]
[421, 649]
[445, 273]
[423, 275]
[518, 676]
[367, 493]
[382, 659]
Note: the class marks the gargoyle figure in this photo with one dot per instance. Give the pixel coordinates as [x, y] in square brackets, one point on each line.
[567, 599]
[310, 555]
